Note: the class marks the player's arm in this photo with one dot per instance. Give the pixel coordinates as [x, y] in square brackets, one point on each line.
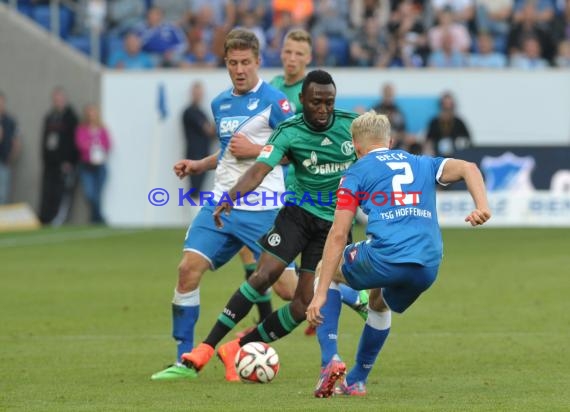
[455, 170]
[246, 183]
[243, 148]
[187, 167]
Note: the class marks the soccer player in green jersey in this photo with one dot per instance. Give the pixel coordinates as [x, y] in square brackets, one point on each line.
[318, 142]
[295, 55]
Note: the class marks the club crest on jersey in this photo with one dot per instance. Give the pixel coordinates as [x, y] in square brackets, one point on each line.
[285, 106]
[253, 103]
[274, 239]
[347, 148]
[266, 151]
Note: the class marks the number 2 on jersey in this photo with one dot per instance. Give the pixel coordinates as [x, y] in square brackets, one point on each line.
[405, 179]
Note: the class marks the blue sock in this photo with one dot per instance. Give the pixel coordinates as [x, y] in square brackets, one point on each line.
[373, 336]
[349, 295]
[184, 318]
[328, 331]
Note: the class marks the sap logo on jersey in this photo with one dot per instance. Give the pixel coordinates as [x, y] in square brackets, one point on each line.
[228, 125]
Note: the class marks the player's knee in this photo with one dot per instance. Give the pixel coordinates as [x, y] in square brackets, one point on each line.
[376, 301]
[189, 276]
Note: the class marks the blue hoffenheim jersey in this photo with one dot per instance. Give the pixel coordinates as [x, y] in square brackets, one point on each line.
[397, 192]
[254, 114]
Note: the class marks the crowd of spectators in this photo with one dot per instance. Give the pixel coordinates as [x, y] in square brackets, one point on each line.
[528, 34]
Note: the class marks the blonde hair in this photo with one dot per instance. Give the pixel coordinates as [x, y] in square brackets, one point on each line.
[371, 127]
[241, 39]
[299, 35]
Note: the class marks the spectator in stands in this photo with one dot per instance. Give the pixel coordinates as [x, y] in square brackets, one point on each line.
[530, 58]
[96, 15]
[124, 15]
[177, 12]
[322, 56]
[463, 11]
[161, 38]
[398, 55]
[217, 17]
[258, 8]
[447, 132]
[271, 56]
[492, 17]
[528, 26]
[300, 11]
[447, 56]
[223, 12]
[369, 44]
[59, 155]
[460, 38]
[406, 24]
[198, 132]
[486, 56]
[251, 22]
[563, 57]
[361, 10]
[543, 9]
[387, 106]
[561, 29]
[93, 143]
[9, 150]
[199, 56]
[276, 34]
[331, 19]
[131, 57]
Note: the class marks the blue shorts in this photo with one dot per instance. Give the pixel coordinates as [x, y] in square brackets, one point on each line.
[401, 283]
[241, 227]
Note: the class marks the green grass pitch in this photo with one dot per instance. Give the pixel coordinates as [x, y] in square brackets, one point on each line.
[85, 321]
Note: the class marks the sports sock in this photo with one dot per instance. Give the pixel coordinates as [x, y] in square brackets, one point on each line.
[236, 309]
[327, 332]
[349, 296]
[185, 312]
[373, 336]
[264, 302]
[280, 323]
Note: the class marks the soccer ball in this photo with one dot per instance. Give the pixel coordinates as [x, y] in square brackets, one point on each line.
[257, 362]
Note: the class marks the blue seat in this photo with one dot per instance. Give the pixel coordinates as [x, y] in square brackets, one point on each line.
[42, 16]
[339, 47]
[25, 9]
[81, 43]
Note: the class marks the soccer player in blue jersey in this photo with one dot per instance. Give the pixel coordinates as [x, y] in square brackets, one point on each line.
[401, 258]
[251, 109]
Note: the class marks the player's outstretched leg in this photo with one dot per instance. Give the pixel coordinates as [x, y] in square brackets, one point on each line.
[236, 309]
[185, 312]
[327, 332]
[227, 354]
[330, 374]
[374, 334]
